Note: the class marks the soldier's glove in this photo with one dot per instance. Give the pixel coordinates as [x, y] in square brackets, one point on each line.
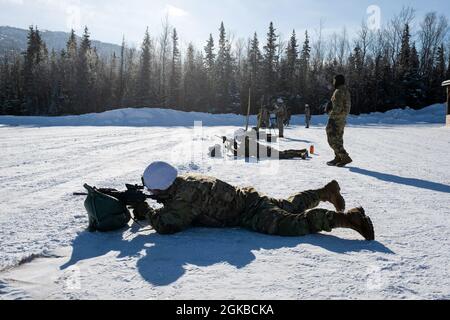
[142, 211]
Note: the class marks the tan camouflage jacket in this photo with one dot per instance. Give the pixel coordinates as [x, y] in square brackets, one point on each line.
[342, 103]
[281, 112]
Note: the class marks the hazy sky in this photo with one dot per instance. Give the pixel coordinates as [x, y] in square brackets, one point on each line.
[108, 20]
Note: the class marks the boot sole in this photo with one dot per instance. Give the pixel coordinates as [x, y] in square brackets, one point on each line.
[338, 201]
[342, 165]
[331, 165]
[368, 231]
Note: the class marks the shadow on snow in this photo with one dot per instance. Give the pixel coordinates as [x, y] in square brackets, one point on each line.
[161, 259]
[419, 183]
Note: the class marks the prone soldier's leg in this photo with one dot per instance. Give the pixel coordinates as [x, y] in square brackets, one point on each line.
[307, 200]
[270, 219]
[301, 202]
[292, 154]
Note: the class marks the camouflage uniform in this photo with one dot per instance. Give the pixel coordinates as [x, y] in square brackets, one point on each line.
[251, 148]
[338, 119]
[207, 202]
[308, 117]
[264, 118]
[281, 113]
[293, 154]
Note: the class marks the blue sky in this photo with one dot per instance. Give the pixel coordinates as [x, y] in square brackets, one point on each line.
[195, 19]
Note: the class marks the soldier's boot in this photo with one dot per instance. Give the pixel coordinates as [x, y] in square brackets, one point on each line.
[332, 193]
[356, 220]
[334, 162]
[344, 161]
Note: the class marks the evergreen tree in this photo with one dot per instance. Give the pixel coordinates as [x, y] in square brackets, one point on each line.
[305, 57]
[10, 85]
[83, 90]
[224, 70]
[404, 69]
[202, 86]
[55, 106]
[405, 54]
[71, 46]
[175, 73]
[189, 79]
[415, 94]
[111, 81]
[36, 88]
[121, 79]
[447, 75]
[357, 78]
[144, 82]
[289, 65]
[69, 59]
[210, 66]
[270, 62]
[439, 75]
[253, 77]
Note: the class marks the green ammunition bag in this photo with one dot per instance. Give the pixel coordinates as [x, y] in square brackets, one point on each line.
[105, 213]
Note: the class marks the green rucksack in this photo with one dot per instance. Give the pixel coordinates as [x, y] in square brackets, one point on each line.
[105, 213]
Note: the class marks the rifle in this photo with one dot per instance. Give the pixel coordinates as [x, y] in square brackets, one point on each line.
[134, 194]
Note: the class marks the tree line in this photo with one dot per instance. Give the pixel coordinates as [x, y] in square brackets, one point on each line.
[402, 64]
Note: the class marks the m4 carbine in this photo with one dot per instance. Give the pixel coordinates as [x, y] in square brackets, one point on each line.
[132, 196]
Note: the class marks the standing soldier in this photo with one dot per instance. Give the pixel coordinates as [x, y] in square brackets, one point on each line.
[281, 113]
[264, 118]
[341, 105]
[308, 116]
[288, 118]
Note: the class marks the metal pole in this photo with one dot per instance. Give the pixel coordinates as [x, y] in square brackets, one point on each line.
[448, 107]
[249, 107]
[448, 100]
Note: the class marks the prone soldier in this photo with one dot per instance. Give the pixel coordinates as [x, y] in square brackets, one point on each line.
[200, 201]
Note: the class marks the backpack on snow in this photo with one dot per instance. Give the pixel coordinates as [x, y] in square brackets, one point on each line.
[105, 213]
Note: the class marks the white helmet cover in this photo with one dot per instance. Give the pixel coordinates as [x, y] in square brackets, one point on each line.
[160, 176]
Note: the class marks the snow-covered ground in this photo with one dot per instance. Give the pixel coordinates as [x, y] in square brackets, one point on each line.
[400, 174]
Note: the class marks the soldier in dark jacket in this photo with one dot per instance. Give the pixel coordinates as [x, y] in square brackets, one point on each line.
[199, 201]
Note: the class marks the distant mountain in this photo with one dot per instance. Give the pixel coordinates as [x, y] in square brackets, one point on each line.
[15, 39]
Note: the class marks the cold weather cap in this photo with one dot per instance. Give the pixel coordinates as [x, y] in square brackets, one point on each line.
[160, 176]
[339, 80]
